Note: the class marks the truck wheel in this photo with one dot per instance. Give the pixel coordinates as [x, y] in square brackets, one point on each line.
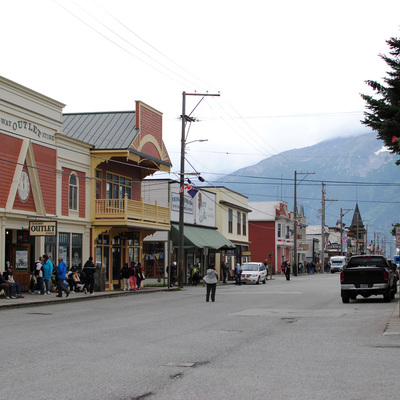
[387, 297]
[345, 299]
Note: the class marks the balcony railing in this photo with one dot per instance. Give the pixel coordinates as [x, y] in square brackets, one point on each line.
[125, 210]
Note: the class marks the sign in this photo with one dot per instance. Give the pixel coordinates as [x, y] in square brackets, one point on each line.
[43, 228]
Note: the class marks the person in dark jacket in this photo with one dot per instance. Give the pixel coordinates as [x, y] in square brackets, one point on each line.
[7, 287]
[89, 269]
[125, 275]
[61, 275]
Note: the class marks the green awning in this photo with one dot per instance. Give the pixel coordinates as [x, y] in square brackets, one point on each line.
[200, 237]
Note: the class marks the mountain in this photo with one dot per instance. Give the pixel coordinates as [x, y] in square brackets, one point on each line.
[355, 169]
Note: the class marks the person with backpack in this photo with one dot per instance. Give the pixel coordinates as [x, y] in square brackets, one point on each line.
[39, 273]
[140, 275]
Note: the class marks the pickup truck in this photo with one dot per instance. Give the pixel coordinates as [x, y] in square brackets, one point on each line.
[368, 275]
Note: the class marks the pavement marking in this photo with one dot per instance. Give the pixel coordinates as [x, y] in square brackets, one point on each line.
[264, 312]
[180, 364]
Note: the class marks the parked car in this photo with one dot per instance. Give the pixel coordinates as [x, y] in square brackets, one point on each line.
[254, 272]
[368, 275]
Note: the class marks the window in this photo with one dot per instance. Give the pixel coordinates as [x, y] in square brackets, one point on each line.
[230, 220]
[118, 186]
[73, 192]
[244, 225]
[279, 230]
[239, 222]
[287, 233]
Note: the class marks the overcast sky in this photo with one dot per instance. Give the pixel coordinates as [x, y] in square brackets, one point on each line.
[289, 73]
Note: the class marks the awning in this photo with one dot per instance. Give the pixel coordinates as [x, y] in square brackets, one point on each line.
[200, 237]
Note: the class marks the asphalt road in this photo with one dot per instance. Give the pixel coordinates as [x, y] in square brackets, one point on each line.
[282, 340]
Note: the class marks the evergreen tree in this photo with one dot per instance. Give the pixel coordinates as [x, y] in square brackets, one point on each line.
[384, 109]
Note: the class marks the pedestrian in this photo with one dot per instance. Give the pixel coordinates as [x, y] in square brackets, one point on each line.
[266, 268]
[238, 275]
[140, 275]
[225, 270]
[284, 264]
[39, 273]
[195, 275]
[132, 276]
[125, 275]
[287, 271]
[61, 275]
[9, 278]
[7, 287]
[89, 270]
[47, 272]
[211, 280]
[172, 273]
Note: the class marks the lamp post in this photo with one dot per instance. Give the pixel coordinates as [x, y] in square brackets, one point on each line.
[181, 249]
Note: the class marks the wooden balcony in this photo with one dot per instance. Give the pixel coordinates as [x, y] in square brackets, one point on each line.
[124, 212]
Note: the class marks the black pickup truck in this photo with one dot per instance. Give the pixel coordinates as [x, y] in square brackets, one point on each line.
[367, 276]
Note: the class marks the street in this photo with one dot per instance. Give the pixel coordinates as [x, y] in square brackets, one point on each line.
[282, 340]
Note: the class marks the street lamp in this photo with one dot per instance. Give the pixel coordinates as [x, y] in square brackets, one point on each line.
[185, 118]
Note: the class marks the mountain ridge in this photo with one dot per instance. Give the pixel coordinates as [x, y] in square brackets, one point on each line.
[355, 169]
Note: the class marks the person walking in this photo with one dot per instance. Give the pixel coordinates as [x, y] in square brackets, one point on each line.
[125, 275]
[38, 272]
[287, 271]
[47, 272]
[61, 275]
[132, 276]
[140, 275]
[89, 270]
[211, 280]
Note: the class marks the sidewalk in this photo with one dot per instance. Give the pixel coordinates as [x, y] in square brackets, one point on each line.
[30, 300]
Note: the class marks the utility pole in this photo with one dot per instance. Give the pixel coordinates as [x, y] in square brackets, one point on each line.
[323, 225]
[295, 269]
[341, 227]
[181, 249]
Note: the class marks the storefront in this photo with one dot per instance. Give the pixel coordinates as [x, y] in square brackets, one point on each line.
[36, 164]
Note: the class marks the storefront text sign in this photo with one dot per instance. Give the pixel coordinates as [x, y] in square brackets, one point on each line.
[43, 228]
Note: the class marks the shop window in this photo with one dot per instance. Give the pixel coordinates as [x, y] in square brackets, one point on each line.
[64, 246]
[153, 259]
[76, 255]
[50, 245]
[73, 192]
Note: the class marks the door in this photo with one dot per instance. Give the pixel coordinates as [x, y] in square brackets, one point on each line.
[116, 267]
[21, 254]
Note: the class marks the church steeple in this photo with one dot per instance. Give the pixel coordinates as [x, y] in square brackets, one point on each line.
[357, 220]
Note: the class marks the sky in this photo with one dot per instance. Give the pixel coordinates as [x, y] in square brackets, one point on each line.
[288, 74]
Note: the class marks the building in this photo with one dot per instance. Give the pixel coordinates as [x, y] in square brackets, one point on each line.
[203, 241]
[72, 184]
[232, 213]
[126, 147]
[271, 233]
[356, 234]
[43, 174]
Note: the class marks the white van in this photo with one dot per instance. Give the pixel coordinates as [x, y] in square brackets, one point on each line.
[337, 263]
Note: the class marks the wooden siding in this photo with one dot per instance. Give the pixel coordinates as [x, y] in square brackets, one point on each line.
[9, 150]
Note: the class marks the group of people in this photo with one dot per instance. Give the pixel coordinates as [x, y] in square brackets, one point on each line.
[12, 289]
[44, 270]
[132, 276]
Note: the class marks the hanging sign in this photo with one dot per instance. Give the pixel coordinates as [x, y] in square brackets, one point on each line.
[43, 228]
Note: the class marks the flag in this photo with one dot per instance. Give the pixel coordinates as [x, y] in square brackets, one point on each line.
[394, 139]
[192, 192]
